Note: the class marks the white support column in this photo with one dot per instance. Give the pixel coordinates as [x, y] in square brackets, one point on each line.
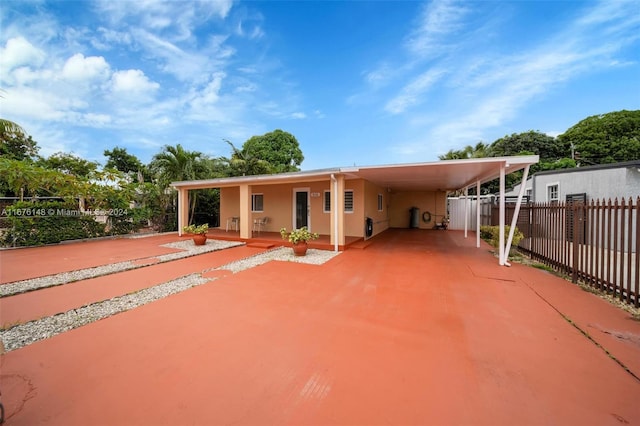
[466, 211]
[478, 214]
[335, 217]
[245, 212]
[514, 220]
[501, 255]
[183, 209]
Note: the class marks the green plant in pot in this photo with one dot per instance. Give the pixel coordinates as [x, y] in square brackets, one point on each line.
[299, 238]
[198, 232]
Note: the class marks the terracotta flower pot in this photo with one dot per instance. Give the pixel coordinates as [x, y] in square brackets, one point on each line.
[300, 249]
[199, 239]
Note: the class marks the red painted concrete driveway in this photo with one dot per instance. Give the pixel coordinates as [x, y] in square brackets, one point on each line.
[419, 328]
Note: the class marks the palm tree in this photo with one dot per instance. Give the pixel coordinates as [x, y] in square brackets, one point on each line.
[7, 126]
[243, 163]
[175, 163]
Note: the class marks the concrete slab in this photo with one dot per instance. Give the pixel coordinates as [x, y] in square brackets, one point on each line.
[403, 332]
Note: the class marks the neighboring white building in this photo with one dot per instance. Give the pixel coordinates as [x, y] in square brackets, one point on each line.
[604, 181]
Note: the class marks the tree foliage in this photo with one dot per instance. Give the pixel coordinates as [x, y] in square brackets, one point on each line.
[243, 163]
[606, 138]
[174, 163]
[278, 148]
[15, 144]
[480, 150]
[120, 159]
[69, 164]
[527, 143]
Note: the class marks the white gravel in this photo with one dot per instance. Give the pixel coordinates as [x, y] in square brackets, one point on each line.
[188, 247]
[25, 334]
[285, 254]
[22, 335]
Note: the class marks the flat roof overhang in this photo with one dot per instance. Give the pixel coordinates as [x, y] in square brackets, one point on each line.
[445, 175]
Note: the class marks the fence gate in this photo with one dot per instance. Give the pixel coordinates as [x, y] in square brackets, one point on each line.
[573, 203]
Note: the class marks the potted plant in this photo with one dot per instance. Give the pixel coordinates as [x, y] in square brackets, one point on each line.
[199, 233]
[299, 238]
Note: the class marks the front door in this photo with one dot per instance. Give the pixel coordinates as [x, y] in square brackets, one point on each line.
[301, 208]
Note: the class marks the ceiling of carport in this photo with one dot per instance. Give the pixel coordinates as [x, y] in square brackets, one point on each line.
[442, 175]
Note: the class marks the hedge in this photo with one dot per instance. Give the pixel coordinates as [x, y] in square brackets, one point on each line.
[491, 234]
[49, 222]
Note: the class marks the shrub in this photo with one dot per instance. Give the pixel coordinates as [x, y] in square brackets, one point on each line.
[491, 234]
[32, 224]
[49, 222]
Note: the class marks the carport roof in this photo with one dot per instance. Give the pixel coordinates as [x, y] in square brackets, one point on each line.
[445, 175]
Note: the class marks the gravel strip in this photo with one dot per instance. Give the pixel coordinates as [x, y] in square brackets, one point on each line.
[189, 249]
[285, 254]
[25, 334]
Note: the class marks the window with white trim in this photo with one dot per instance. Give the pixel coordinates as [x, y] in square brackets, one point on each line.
[326, 202]
[257, 203]
[380, 201]
[553, 193]
[348, 201]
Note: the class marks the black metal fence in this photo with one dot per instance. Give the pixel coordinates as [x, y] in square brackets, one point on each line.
[595, 242]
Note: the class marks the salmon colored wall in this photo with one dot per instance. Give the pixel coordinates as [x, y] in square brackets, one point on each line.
[434, 202]
[229, 204]
[354, 222]
[380, 218]
[278, 205]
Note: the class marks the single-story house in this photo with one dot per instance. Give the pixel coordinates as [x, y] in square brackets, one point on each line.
[599, 182]
[347, 201]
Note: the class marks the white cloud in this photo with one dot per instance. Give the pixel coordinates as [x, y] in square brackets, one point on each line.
[177, 17]
[298, 115]
[438, 19]
[254, 33]
[18, 52]
[411, 93]
[79, 68]
[133, 84]
[484, 93]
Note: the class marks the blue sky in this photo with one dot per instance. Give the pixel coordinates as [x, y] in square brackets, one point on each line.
[357, 82]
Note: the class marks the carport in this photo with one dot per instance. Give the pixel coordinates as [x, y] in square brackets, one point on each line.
[442, 176]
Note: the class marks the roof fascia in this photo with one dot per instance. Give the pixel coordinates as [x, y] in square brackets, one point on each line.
[254, 179]
[512, 163]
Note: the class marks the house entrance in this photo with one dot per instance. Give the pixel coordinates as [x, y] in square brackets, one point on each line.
[301, 208]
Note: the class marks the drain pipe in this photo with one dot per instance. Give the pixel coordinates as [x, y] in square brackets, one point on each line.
[335, 213]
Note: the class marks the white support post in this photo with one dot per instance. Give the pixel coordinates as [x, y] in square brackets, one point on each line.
[501, 255]
[514, 220]
[466, 211]
[478, 214]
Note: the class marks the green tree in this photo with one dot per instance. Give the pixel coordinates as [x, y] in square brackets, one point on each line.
[606, 138]
[69, 164]
[120, 159]
[15, 143]
[22, 178]
[175, 163]
[243, 163]
[480, 150]
[279, 148]
[531, 142]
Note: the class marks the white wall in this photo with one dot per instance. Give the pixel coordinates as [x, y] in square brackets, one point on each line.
[457, 210]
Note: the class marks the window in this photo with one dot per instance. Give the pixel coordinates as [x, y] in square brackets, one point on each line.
[379, 202]
[348, 201]
[552, 193]
[327, 201]
[257, 202]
